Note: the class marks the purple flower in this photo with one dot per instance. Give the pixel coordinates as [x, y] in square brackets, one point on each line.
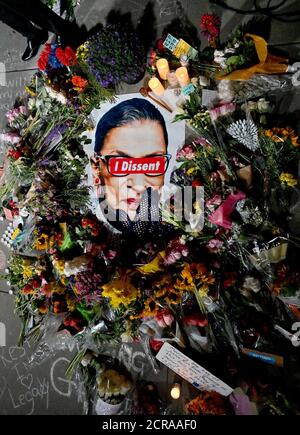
[55, 133]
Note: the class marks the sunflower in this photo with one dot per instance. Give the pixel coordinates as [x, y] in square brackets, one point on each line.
[41, 243]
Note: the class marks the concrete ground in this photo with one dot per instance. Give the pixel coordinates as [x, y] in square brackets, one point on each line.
[14, 74]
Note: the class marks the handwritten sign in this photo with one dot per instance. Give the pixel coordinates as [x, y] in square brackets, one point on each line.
[192, 372]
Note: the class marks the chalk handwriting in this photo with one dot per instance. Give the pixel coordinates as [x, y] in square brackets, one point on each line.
[61, 386]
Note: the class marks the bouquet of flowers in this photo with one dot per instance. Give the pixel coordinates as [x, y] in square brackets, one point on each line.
[113, 55]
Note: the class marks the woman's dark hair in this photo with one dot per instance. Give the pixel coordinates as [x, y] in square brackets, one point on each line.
[124, 113]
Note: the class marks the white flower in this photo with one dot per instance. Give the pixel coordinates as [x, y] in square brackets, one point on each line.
[225, 90]
[252, 284]
[56, 95]
[221, 61]
[194, 81]
[229, 51]
[263, 105]
[218, 53]
[86, 360]
[203, 81]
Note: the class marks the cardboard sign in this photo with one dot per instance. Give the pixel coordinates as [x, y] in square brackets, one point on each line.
[187, 90]
[180, 48]
[192, 372]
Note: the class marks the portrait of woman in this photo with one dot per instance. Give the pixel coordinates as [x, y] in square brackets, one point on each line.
[130, 160]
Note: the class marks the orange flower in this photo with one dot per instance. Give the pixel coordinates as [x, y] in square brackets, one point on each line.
[79, 82]
[43, 309]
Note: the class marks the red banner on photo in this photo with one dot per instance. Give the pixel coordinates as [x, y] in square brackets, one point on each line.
[127, 165]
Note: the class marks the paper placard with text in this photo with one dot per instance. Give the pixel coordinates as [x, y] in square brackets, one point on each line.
[192, 372]
[179, 47]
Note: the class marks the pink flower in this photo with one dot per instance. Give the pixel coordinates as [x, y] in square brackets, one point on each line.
[175, 250]
[12, 138]
[221, 216]
[14, 113]
[222, 110]
[215, 245]
[203, 142]
[165, 318]
[111, 254]
[215, 200]
[187, 152]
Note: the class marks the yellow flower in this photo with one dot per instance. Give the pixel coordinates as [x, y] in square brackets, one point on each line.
[120, 291]
[30, 91]
[59, 266]
[71, 303]
[154, 266]
[15, 234]
[174, 298]
[288, 179]
[41, 243]
[27, 269]
[191, 171]
[283, 135]
[151, 308]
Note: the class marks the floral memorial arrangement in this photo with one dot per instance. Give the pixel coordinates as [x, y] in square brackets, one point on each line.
[229, 292]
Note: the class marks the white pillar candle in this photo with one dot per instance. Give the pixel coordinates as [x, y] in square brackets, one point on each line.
[156, 86]
[183, 76]
[162, 66]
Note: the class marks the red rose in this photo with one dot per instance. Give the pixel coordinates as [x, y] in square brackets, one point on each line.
[35, 283]
[43, 59]
[66, 56]
[160, 45]
[14, 154]
[85, 223]
[196, 319]
[156, 345]
[27, 290]
[230, 279]
[196, 183]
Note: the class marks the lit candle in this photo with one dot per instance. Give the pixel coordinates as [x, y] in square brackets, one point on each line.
[156, 86]
[176, 391]
[162, 66]
[183, 76]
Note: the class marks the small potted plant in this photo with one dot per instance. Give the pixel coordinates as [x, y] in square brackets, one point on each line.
[115, 54]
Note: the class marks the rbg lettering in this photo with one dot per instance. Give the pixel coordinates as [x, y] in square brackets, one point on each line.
[2, 335]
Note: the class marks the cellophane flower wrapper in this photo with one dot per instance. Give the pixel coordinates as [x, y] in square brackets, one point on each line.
[108, 384]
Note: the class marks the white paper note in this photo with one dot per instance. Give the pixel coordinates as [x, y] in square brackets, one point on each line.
[192, 372]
